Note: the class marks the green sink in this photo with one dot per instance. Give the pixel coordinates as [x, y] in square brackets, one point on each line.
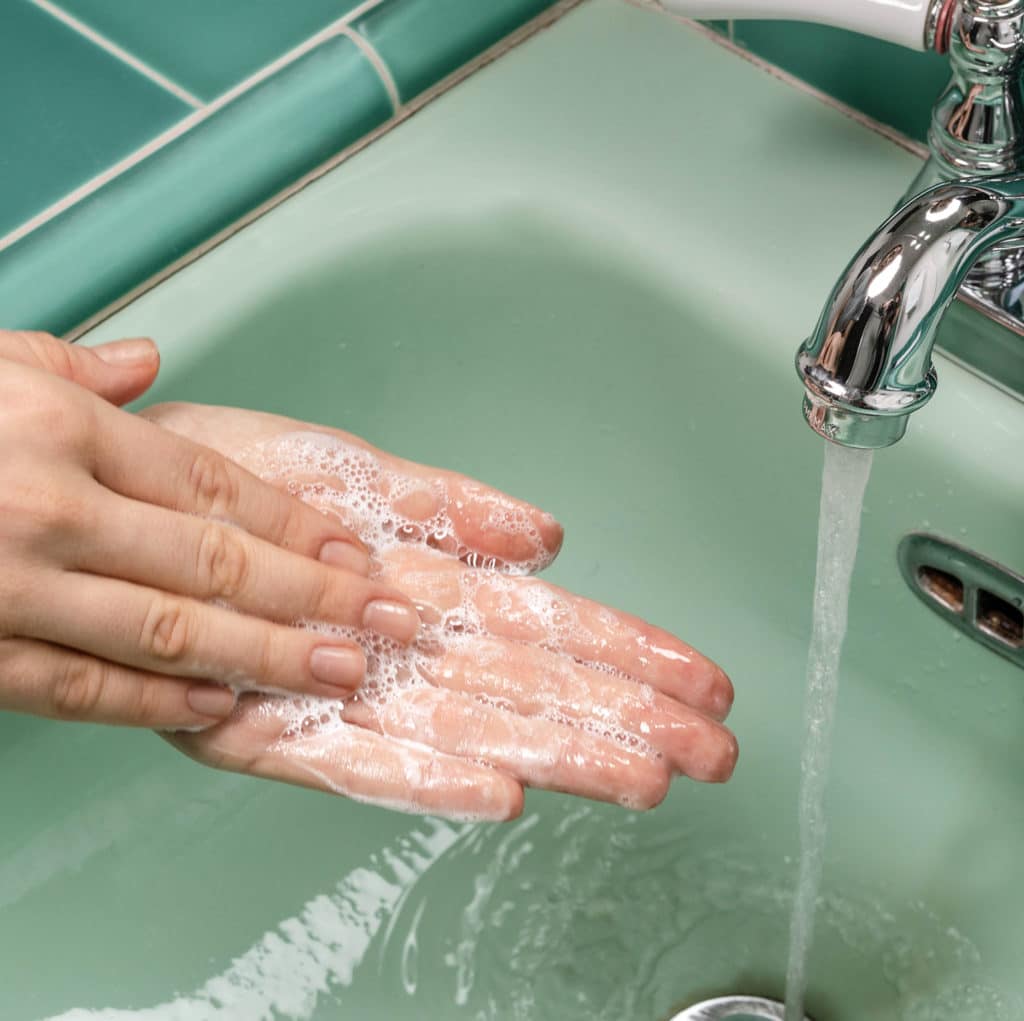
[571, 279]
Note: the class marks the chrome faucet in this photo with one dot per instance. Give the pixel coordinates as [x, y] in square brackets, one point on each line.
[960, 234]
[868, 364]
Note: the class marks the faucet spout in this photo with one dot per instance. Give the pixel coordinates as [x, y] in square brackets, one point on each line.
[868, 364]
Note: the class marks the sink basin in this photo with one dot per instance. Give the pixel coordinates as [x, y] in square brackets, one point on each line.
[605, 329]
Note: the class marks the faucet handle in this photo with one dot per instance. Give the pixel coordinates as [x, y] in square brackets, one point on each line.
[977, 127]
[910, 23]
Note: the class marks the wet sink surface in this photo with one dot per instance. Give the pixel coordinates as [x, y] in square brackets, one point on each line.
[524, 305]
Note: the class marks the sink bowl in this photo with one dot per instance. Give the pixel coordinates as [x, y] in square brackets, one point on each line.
[606, 331]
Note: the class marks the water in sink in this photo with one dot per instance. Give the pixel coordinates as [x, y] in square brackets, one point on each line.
[247, 895]
[844, 479]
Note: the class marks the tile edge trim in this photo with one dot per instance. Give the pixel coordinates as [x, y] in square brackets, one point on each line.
[536, 24]
[181, 127]
[383, 71]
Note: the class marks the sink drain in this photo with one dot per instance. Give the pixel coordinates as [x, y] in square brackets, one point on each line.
[734, 1008]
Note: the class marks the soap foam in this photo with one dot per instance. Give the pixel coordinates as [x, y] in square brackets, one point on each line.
[389, 510]
[376, 500]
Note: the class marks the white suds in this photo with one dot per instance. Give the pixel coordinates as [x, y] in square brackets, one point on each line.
[392, 511]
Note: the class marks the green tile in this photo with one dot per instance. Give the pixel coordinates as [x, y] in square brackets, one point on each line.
[207, 46]
[205, 180]
[890, 83]
[423, 40]
[67, 111]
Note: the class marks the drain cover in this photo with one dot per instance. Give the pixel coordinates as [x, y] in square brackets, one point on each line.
[734, 1008]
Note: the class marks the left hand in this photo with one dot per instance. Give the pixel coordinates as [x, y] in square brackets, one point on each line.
[511, 682]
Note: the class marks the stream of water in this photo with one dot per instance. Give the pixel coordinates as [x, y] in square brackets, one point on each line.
[843, 482]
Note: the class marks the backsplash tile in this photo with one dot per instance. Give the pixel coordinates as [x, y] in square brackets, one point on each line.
[423, 40]
[207, 46]
[203, 181]
[83, 111]
[68, 110]
[890, 83]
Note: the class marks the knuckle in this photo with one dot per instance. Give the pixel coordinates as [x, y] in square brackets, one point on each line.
[38, 510]
[78, 688]
[284, 518]
[38, 349]
[144, 707]
[167, 630]
[14, 667]
[52, 354]
[42, 407]
[223, 562]
[322, 594]
[62, 513]
[291, 522]
[211, 484]
[265, 658]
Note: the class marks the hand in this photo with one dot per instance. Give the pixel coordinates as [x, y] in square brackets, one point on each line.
[511, 681]
[137, 566]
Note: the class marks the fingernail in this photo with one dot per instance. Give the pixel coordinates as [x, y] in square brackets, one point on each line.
[127, 352]
[211, 700]
[345, 555]
[339, 666]
[396, 620]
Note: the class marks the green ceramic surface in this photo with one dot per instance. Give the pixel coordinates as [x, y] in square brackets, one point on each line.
[67, 111]
[423, 40]
[207, 46]
[498, 287]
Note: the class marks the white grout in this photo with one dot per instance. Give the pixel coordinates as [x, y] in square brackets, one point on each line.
[97, 182]
[370, 52]
[542, 21]
[339, 27]
[123, 55]
[359, 11]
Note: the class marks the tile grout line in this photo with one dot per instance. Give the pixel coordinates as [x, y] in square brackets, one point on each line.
[342, 26]
[537, 24]
[358, 11]
[369, 51]
[108, 45]
[893, 135]
[335, 28]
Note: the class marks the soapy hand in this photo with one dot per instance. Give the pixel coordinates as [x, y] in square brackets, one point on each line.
[510, 682]
[121, 542]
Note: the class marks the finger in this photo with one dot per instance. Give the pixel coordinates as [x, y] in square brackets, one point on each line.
[373, 488]
[333, 756]
[535, 682]
[391, 500]
[168, 634]
[145, 462]
[208, 560]
[47, 680]
[530, 610]
[118, 372]
[537, 752]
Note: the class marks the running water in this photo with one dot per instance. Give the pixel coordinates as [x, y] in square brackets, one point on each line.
[842, 495]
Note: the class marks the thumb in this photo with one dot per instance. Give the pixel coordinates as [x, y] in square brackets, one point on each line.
[118, 372]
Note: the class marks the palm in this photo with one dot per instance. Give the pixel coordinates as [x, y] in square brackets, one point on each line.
[511, 681]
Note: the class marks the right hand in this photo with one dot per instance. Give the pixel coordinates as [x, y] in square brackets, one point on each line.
[511, 682]
[143, 576]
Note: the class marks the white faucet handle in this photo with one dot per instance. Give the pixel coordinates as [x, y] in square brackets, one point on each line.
[905, 22]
